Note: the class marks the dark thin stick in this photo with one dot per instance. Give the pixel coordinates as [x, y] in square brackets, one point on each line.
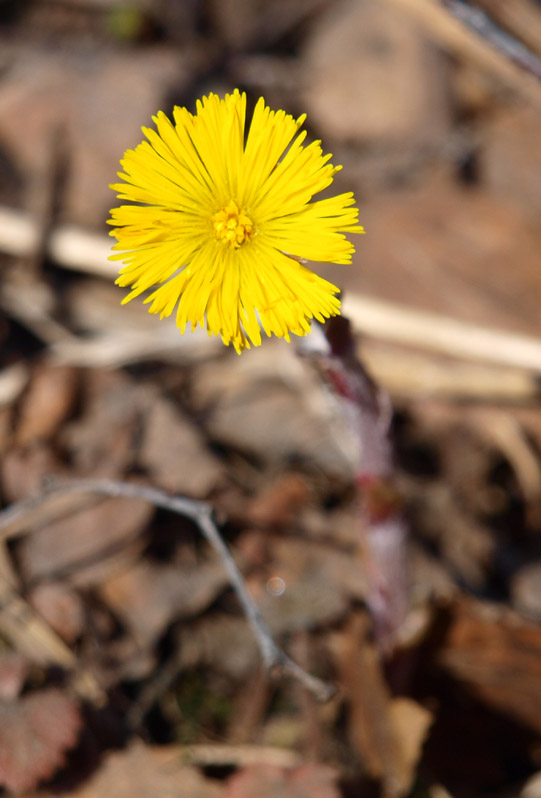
[274, 659]
[476, 20]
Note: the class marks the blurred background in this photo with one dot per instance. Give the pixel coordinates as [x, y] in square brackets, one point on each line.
[125, 662]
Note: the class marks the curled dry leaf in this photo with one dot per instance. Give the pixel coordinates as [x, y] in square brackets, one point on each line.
[35, 733]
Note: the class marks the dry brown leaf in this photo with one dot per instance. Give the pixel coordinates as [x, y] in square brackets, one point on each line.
[146, 772]
[272, 407]
[370, 725]
[383, 100]
[461, 253]
[35, 733]
[148, 597]
[61, 607]
[101, 102]
[88, 544]
[47, 403]
[318, 583]
[175, 453]
[499, 657]
[301, 603]
[388, 734]
[510, 156]
[23, 472]
[101, 440]
[267, 781]
[411, 723]
[223, 642]
[278, 504]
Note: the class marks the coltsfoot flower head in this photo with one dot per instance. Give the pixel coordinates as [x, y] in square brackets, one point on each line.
[224, 221]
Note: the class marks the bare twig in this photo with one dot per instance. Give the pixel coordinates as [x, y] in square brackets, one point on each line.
[407, 373]
[431, 331]
[274, 659]
[79, 250]
[469, 44]
[67, 245]
[479, 22]
[45, 198]
[521, 18]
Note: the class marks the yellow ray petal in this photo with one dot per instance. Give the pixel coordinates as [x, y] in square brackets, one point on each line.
[221, 222]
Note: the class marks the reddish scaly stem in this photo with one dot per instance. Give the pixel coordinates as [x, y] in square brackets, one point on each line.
[366, 409]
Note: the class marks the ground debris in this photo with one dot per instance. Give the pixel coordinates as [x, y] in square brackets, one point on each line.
[126, 665]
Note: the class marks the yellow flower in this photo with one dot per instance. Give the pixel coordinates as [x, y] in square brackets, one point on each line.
[224, 222]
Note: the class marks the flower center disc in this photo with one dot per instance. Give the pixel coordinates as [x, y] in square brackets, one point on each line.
[232, 226]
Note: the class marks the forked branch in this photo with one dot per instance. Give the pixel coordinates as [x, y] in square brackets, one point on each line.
[275, 660]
